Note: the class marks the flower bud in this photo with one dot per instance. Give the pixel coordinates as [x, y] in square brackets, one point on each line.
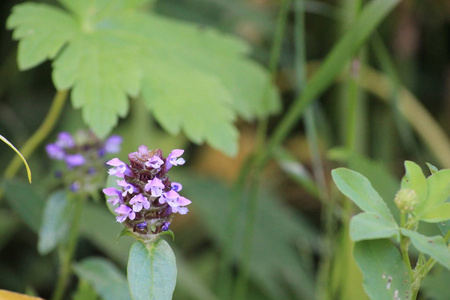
[406, 200]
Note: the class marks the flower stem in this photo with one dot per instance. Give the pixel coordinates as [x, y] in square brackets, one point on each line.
[404, 244]
[67, 252]
[41, 133]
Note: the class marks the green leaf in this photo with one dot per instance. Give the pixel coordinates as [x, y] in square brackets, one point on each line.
[370, 226]
[24, 199]
[433, 246]
[385, 274]
[438, 192]
[106, 279]
[432, 168]
[192, 79]
[438, 214]
[152, 271]
[201, 119]
[55, 223]
[85, 292]
[358, 189]
[414, 179]
[435, 285]
[42, 30]
[100, 228]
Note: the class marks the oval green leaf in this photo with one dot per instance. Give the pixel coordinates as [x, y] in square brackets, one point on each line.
[385, 273]
[369, 226]
[359, 189]
[414, 179]
[440, 213]
[152, 271]
[106, 279]
[55, 222]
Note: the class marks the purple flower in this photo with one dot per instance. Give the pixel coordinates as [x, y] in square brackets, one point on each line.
[155, 186]
[112, 144]
[124, 213]
[154, 162]
[175, 201]
[55, 152]
[74, 160]
[180, 210]
[139, 202]
[174, 158]
[75, 186]
[120, 168]
[165, 227]
[142, 226]
[65, 140]
[176, 186]
[141, 153]
[127, 188]
[116, 195]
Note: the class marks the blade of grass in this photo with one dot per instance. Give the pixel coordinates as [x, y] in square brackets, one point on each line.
[371, 16]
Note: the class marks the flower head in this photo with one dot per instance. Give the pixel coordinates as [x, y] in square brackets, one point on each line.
[83, 154]
[147, 199]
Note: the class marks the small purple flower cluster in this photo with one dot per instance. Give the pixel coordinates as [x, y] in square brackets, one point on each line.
[83, 155]
[147, 199]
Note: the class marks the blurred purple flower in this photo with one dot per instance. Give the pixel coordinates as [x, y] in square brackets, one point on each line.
[112, 144]
[55, 152]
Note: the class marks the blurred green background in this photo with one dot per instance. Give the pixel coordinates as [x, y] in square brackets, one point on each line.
[300, 249]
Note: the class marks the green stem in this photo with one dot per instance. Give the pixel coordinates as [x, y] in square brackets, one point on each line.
[41, 133]
[68, 251]
[404, 244]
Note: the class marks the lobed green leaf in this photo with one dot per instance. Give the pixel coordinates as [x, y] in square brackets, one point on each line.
[193, 79]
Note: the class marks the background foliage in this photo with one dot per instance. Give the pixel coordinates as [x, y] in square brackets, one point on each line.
[203, 75]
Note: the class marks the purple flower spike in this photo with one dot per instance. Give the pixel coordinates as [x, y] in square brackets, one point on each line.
[74, 160]
[116, 196]
[154, 162]
[174, 158]
[65, 140]
[124, 213]
[55, 152]
[139, 202]
[120, 168]
[112, 144]
[155, 186]
[176, 186]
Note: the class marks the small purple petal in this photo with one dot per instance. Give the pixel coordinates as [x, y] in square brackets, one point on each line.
[155, 186]
[139, 202]
[176, 186]
[165, 227]
[121, 169]
[182, 201]
[55, 152]
[173, 158]
[65, 140]
[142, 226]
[74, 160]
[112, 144]
[154, 162]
